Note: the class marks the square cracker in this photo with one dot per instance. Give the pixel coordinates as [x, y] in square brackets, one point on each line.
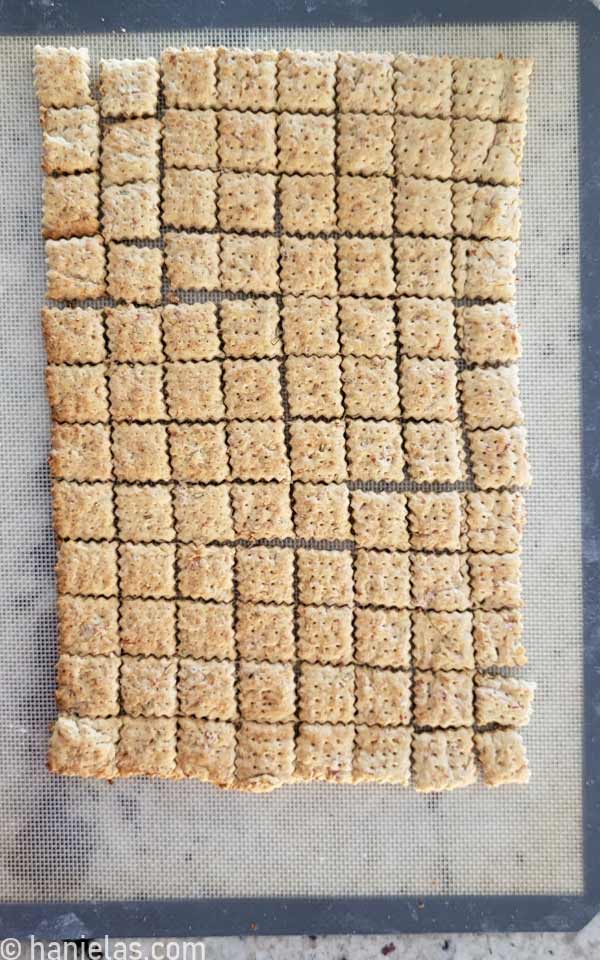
[140, 452]
[249, 328]
[134, 334]
[379, 519]
[324, 752]
[505, 701]
[491, 89]
[205, 630]
[322, 511]
[367, 327]
[314, 386]
[190, 331]
[147, 747]
[370, 387]
[193, 390]
[442, 641]
[144, 513]
[71, 206]
[62, 76]
[382, 637]
[317, 451]
[423, 85]
[423, 147]
[495, 580]
[147, 570]
[148, 686]
[325, 577]
[324, 634]
[252, 389]
[192, 261]
[206, 689]
[485, 269]
[87, 686]
[246, 202]
[365, 144]
[148, 627]
[426, 328]
[423, 267]
[266, 691]
[257, 450]
[73, 335]
[76, 269]
[499, 458]
[80, 452]
[77, 394]
[435, 520]
[206, 750]
[130, 151]
[306, 81]
[423, 207]
[487, 152]
[310, 326]
[189, 199]
[249, 264]
[382, 578]
[308, 266]
[84, 747]
[382, 697]
[190, 139]
[265, 574]
[88, 625]
[486, 211]
[265, 631]
[264, 755]
[306, 144]
[502, 756]
[365, 83]
[374, 450]
[247, 141]
[203, 513]
[83, 511]
[247, 79]
[262, 511]
[128, 88]
[364, 205]
[135, 273]
[443, 698]
[488, 333]
[440, 581]
[70, 139]
[434, 452]
[326, 693]
[382, 755]
[307, 203]
[198, 452]
[495, 521]
[189, 77]
[443, 760]
[205, 572]
[428, 389]
[498, 638]
[136, 391]
[366, 266]
[490, 397]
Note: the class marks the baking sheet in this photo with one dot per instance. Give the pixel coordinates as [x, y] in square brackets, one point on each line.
[73, 840]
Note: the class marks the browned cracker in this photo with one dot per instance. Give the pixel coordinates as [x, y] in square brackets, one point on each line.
[326, 693]
[190, 139]
[490, 397]
[322, 511]
[495, 521]
[148, 686]
[249, 328]
[190, 331]
[382, 637]
[495, 580]
[202, 513]
[128, 88]
[87, 569]
[307, 203]
[205, 630]
[247, 80]
[144, 513]
[435, 520]
[77, 394]
[443, 760]
[423, 207]
[324, 752]
[265, 574]
[134, 273]
[62, 76]
[206, 750]
[379, 519]
[382, 755]
[423, 147]
[70, 139]
[502, 756]
[84, 747]
[306, 144]
[76, 269]
[314, 386]
[366, 266]
[433, 452]
[324, 634]
[306, 81]
[365, 144]
[426, 328]
[503, 700]
[206, 689]
[364, 205]
[423, 85]
[382, 697]
[198, 452]
[491, 89]
[134, 334]
[428, 389]
[382, 578]
[136, 391]
[499, 458]
[308, 266]
[325, 577]
[257, 450]
[265, 631]
[370, 387]
[70, 206]
[310, 326]
[423, 267]
[487, 152]
[367, 327]
[147, 747]
[87, 686]
[249, 264]
[442, 641]
[262, 511]
[189, 77]
[374, 450]
[73, 335]
[147, 627]
[80, 452]
[192, 260]
[205, 572]
[498, 638]
[247, 141]
[440, 581]
[140, 452]
[189, 199]
[485, 269]
[147, 570]
[130, 151]
[252, 389]
[264, 756]
[486, 211]
[365, 83]
[317, 451]
[266, 691]
[246, 202]
[488, 333]
[83, 511]
[88, 625]
[443, 698]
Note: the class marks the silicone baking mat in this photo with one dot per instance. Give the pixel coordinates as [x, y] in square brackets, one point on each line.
[75, 841]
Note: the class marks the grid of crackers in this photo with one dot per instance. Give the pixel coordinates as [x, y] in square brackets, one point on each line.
[287, 448]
